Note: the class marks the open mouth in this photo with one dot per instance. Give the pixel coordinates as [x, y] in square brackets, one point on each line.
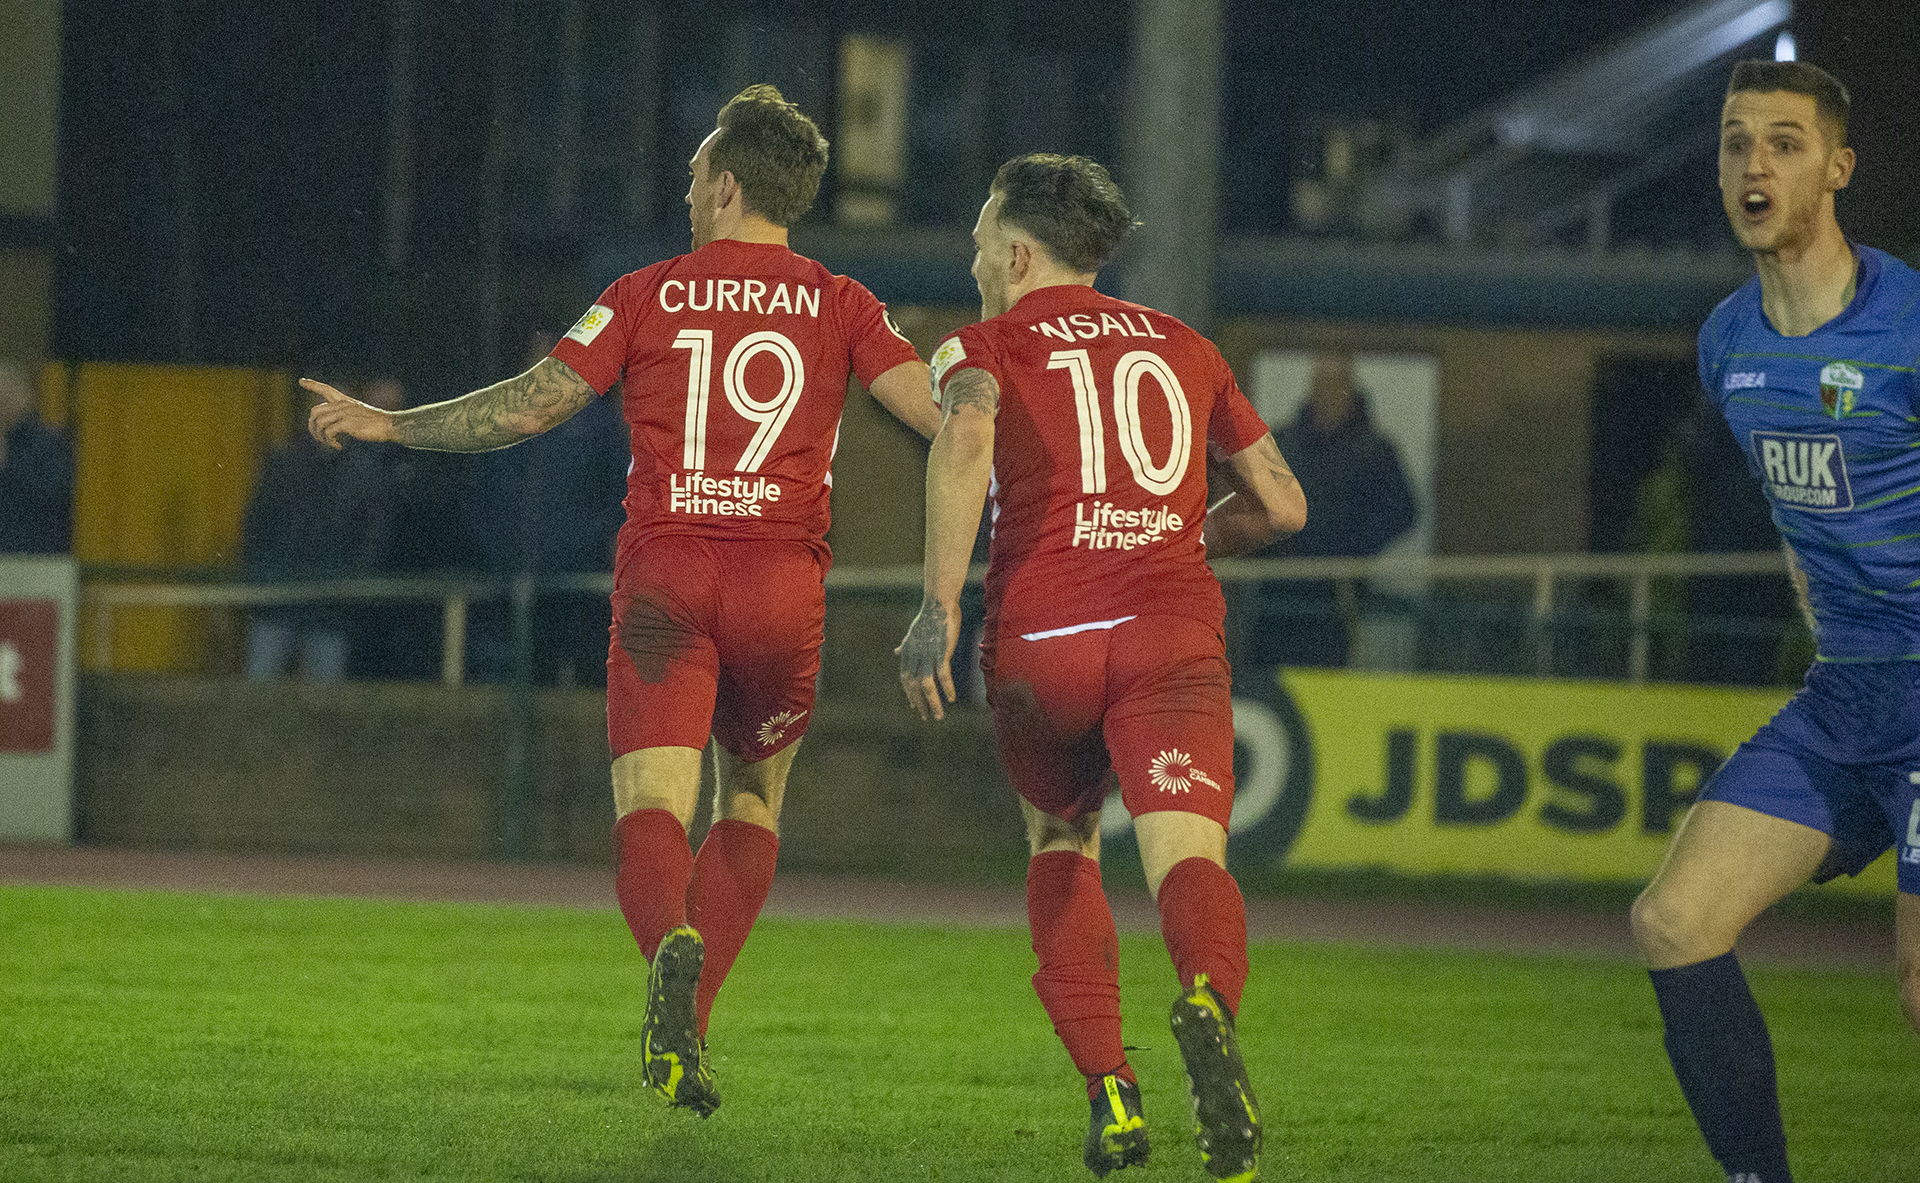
[1756, 204]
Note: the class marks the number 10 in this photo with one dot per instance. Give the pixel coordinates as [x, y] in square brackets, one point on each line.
[1127, 374]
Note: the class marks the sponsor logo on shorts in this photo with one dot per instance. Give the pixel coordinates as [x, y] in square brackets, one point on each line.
[1745, 380]
[1803, 471]
[1173, 771]
[588, 327]
[1840, 385]
[774, 728]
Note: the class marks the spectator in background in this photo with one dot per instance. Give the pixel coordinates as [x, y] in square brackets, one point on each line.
[1353, 479]
[552, 507]
[36, 473]
[426, 537]
[317, 514]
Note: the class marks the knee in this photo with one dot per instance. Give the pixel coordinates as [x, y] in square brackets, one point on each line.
[634, 802]
[1666, 933]
[745, 805]
[1046, 832]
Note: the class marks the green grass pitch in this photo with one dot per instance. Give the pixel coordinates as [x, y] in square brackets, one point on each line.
[172, 1036]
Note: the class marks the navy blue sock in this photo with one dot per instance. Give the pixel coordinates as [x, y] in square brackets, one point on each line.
[1721, 1054]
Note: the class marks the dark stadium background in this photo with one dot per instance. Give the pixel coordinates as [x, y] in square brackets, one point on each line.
[221, 163]
[390, 185]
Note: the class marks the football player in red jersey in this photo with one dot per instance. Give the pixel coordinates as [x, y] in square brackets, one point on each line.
[1092, 421]
[735, 359]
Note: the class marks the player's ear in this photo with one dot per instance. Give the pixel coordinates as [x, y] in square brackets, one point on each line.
[1020, 261]
[727, 190]
[1840, 168]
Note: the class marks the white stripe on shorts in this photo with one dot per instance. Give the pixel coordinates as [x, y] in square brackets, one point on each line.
[1074, 628]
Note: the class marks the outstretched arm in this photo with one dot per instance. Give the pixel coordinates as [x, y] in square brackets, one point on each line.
[494, 417]
[1266, 502]
[958, 469]
[904, 391]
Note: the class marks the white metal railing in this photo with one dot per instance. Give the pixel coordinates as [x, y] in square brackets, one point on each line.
[102, 596]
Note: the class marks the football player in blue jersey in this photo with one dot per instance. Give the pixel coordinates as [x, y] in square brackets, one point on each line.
[1813, 363]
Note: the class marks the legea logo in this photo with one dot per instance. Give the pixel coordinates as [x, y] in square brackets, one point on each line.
[1803, 471]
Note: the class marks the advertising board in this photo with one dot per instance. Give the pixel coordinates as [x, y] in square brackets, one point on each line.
[1530, 779]
[36, 698]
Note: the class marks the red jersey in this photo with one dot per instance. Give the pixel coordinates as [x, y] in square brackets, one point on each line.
[1099, 474]
[736, 359]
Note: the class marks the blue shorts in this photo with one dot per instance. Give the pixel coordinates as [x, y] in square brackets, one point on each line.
[1843, 756]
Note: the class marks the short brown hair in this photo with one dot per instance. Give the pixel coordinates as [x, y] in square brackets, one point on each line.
[774, 151]
[1069, 203]
[1830, 99]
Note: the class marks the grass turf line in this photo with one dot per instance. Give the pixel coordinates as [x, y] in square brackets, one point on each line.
[173, 1036]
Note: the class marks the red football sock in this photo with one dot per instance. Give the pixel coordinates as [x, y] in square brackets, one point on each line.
[651, 865]
[1079, 977]
[1204, 922]
[731, 875]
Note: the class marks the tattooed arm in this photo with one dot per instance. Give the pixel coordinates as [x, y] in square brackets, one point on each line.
[494, 417]
[958, 466]
[1266, 502]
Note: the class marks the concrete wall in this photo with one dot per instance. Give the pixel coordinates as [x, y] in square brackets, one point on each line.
[371, 768]
[1516, 417]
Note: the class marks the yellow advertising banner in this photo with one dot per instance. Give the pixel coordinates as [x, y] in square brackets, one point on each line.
[1529, 779]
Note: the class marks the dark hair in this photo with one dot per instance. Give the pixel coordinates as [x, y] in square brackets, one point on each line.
[1830, 99]
[774, 151]
[1069, 203]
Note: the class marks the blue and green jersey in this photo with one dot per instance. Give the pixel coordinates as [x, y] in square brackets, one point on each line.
[1830, 424]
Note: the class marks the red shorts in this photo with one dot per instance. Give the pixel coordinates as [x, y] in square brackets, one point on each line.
[1149, 700]
[715, 638]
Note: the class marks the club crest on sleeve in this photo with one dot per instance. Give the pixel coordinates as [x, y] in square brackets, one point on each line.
[1840, 386]
[588, 327]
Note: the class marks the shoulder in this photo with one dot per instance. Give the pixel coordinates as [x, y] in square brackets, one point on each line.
[847, 301]
[627, 296]
[1196, 346]
[643, 281]
[1733, 311]
[1162, 320]
[842, 288]
[1896, 290]
[1728, 319]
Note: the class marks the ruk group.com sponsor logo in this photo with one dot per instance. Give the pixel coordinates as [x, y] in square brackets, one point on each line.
[1803, 471]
